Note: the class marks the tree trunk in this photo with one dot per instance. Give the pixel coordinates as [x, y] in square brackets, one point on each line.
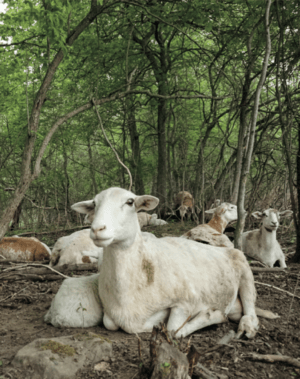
[136, 162]
[247, 161]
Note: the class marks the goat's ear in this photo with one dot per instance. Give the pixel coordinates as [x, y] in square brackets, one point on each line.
[85, 207]
[145, 202]
[210, 211]
[286, 213]
[257, 215]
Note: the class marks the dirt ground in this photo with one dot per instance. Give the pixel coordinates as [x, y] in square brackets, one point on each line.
[24, 303]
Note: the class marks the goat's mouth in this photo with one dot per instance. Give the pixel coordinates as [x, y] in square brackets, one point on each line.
[102, 242]
[271, 228]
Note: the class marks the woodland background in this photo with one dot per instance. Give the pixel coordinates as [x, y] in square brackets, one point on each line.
[194, 95]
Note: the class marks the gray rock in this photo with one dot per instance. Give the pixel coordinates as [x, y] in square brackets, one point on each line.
[61, 357]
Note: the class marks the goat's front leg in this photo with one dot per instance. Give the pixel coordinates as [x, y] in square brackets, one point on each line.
[204, 318]
[249, 321]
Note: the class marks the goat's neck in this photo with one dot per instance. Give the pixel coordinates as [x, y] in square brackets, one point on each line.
[268, 236]
[218, 223]
[121, 266]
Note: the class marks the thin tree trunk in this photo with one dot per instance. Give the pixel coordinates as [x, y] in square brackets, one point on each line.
[247, 161]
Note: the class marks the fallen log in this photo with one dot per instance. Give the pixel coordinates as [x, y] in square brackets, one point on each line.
[33, 277]
[274, 358]
[266, 269]
[32, 271]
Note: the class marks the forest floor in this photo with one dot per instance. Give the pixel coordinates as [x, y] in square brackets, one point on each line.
[24, 303]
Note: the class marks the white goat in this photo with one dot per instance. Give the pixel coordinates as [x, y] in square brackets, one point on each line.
[261, 244]
[76, 304]
[144, 280]
[144, 219]
[154, 221]
[77, 248]
[24, 249]
[212, 232]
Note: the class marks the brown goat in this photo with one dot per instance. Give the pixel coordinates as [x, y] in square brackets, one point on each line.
[23, 249]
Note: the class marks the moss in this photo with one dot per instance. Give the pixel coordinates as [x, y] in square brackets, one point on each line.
[58, 348]
[149, 269]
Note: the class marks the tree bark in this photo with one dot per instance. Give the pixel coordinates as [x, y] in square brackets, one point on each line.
[247, 161]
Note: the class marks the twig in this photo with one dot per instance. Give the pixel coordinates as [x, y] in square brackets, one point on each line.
[188, 319]
[54, 231]
[14, 294]
[266, 269]
[278, 289]
[257, 262]
[291, 305]
[139, 347]
[274, 358]
[22, 267]
[203, 372]
[103, 131]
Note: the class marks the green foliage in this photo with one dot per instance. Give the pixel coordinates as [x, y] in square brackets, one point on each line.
[188, 48]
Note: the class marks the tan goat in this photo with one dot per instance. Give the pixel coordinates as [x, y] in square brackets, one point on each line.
[212, 232]
[24, 249]
[184, 203]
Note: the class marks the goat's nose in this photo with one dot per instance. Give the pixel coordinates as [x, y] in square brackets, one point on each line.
[99, 228]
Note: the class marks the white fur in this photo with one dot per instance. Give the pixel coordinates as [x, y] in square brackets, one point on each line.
[262, 244]
[76, 304]
[144, 219]
[154, 221]
[71, 249]
[144, 280]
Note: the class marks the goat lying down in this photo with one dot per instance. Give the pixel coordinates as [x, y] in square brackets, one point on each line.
[261, 243]
[212, 232]
[144, 280]
[75, 248]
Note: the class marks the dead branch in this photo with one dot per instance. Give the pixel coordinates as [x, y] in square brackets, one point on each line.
[30, 272]
[188, 319]
[274, 358]
[278, 289]
[203, 372]
[119, 160]
[13, 295]
[33, 277]
[54, 231]
[266, 269]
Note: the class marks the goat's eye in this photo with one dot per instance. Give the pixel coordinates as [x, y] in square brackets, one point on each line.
[94, 204]
[265, 215]
[130, 202]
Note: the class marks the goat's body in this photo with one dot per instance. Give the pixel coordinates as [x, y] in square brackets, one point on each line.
[212, 232]
[206, 234]
[24, 249]
[263, 246]
[76, 248]
[201, 278]
[77, 304]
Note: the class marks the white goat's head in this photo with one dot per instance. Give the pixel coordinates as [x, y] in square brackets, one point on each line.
[182, 210]
[113, 215]
[227, 211]
[270, 218]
